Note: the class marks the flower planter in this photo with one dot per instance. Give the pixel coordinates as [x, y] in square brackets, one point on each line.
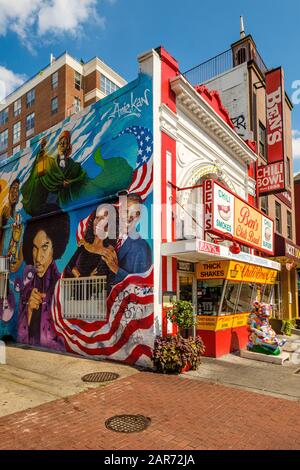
[186, 368]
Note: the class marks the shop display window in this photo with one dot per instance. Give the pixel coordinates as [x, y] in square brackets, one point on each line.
[209, 295]
[231, 295]
[248, 295]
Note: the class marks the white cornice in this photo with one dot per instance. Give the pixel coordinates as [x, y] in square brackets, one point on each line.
[102, 67]
[204, 114]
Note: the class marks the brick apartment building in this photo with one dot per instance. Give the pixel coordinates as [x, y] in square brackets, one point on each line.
[62, 88]
[239, 74]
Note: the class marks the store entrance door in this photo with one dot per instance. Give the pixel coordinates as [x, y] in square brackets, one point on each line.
[186, 287]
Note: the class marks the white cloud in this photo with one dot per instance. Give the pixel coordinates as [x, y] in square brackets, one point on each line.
[32, 20]
[9, 81]
[66, 16]
[296, 144]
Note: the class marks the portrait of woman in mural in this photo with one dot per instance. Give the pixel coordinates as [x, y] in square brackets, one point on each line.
[45, 241]
[55, 179]
[88, 260]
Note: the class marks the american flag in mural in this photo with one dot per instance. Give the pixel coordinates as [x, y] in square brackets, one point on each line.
[143, 174]
[126, 335]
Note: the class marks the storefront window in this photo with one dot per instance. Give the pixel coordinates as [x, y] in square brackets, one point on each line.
[231, 296]
[268, 294]
[247, 297]
[209, 294]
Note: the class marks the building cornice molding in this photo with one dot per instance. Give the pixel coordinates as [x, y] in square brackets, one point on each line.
[202, 113]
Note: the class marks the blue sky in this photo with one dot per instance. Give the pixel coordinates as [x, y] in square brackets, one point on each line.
[118, 30]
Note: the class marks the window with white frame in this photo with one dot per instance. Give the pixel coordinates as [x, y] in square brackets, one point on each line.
[3, 117]
[17, 132]
[77, 80]
[54, 105]
[54, 80]
[17, 107]
[107, 86]
[4, 140]
[30, 98]
[16, 149]
[30, 124]
[77, 104]
[84, 298]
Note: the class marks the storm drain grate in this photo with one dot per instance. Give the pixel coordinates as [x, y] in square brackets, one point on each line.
[127, 423]
[100, 377]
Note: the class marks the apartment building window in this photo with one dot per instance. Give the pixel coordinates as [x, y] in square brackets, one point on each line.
[4, 117]
[107, 86]
[289, 225]
[77, 79]
[54, 105]
[16, 149]
[17, 132]
[30, 98]
[30, 124]
[262, 140]
[278, 217]
[54, 80]
[77, 104]
[17, 107]
[264, 205]
[288, 171]
[4, 140]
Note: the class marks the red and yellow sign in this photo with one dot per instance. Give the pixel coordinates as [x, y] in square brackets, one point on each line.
[228, 215]
[224, 322]
[236, 271]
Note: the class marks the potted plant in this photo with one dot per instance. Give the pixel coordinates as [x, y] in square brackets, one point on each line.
[182, 314]
[178, 353]
[175, 354]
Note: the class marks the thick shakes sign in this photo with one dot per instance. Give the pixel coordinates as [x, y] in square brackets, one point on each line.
[271, 177]
[228, 215]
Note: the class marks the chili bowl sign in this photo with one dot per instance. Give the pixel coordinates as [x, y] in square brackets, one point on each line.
[228, 215]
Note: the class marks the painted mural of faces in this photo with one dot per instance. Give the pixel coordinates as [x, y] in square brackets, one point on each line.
[129, 214]
[100, 224]
[42, 252]
[64, 144]
[45, 240]
[14, 192]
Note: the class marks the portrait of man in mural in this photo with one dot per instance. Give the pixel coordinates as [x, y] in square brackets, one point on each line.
[12, 228]
[132, 254]
[45, 241]
[53, 180]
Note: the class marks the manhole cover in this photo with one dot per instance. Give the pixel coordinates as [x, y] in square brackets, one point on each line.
[100, 377]
[127, 423]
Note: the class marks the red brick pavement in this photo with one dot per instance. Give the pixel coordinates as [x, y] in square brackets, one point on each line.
[185, 414]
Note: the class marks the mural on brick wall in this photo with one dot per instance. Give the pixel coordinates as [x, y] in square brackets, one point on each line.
[72, 210]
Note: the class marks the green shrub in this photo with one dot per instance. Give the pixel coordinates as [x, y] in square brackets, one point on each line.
[182, 314]
[287, 326]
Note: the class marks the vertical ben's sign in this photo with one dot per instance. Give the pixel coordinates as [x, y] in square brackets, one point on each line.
[271, 177]
[275, 114]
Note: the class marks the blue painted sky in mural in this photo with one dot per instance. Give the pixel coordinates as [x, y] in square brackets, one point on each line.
[118, 30]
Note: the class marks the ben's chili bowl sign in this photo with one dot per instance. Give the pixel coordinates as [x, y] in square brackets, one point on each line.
[226, 213]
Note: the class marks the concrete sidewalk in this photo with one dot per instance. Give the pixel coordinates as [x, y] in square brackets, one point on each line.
[271, 379]
[32, 377]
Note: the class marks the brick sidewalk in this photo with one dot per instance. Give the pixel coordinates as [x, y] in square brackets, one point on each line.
[186, 414]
